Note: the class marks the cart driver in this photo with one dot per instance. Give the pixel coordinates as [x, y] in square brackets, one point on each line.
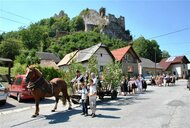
[77, 81]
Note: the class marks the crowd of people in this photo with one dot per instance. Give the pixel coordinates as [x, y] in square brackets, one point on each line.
[138, 84]
[133, 85]
[86, 85]
[164, 80]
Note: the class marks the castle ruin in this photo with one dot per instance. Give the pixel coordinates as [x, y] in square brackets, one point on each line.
[108, 25]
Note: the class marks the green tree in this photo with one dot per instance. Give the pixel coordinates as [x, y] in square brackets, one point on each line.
[32, 58]
[93, 65]
[10, 48]
[61, 24]
[77, 24]
[112, 75]
[165, 54]
[82, 40]
[19, 69]
[27, 57]
[147, 49]
[33, 36]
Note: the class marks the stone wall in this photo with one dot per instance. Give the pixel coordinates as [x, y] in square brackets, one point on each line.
[109, 25]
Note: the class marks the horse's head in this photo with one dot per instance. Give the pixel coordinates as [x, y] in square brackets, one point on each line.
[32, 74]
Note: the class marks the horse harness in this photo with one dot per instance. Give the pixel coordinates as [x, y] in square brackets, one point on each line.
[38, 84]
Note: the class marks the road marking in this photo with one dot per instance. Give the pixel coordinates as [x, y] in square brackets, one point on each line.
[22, 109]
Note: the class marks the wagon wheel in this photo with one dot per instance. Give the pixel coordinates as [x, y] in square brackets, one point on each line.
[114, 94]
[75, 101]
[101, 95]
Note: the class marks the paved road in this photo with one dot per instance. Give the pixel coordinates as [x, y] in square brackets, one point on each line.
[13, 104]
[159, 107]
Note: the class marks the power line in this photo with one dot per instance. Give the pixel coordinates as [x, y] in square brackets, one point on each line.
[187, 28]
[12, 20]
[17, 15]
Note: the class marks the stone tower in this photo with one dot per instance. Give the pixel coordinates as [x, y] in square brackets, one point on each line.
[102, 12]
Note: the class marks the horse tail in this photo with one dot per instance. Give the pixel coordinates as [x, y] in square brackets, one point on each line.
[63, 99]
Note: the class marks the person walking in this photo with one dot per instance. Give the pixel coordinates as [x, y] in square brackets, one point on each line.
[92, 97]
[124, 85]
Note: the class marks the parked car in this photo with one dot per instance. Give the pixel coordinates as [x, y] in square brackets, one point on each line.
[148, 80]
[3, 94]
[19, 89]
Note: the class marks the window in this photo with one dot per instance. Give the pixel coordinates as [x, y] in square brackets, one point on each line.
[18, 81]
[101, 54]
[101, 68]
[129, 58]
[130, 69]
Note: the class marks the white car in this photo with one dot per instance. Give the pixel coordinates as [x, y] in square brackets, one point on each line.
[148, 80]
[3, 95]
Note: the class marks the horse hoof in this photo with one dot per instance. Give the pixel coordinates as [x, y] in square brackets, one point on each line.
[52, 110]
[35, 115]
[69, 108]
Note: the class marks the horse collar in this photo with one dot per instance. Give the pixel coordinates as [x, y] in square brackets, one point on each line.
[36, 83]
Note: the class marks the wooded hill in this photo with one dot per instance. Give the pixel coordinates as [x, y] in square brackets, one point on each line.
[58, 34]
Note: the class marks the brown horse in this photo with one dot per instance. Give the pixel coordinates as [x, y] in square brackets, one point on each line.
[42, 88]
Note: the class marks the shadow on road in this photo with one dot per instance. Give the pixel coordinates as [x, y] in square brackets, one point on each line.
[124, 100]
[107, 116]
[109, 109]
[61, 117]
[7, 105]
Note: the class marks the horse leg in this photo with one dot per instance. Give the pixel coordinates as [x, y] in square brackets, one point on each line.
[68, 99]
[37, 108]
[56, 102]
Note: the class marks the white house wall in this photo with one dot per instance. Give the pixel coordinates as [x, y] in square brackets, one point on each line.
[103, 57]
[180, 69]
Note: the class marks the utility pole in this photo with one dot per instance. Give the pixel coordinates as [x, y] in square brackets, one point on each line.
[155, 61]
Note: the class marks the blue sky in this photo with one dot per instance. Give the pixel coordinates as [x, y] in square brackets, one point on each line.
[148, 18]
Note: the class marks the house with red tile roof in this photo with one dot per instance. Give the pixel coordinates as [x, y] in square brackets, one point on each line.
[128, 58]
[176, 65]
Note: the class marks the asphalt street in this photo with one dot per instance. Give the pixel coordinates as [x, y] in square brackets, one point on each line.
[158, 107]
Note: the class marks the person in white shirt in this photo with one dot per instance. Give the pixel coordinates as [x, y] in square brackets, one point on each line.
[93, 77]
[139, 84]
[92, 97]
[84, 94]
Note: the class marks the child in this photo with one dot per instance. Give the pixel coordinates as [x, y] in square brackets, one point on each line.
[92, 97]
[83, 93]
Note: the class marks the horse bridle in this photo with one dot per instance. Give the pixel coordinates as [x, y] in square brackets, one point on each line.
[37, 83]
[34, 84]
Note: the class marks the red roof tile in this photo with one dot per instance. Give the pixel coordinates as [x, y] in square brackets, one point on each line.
[119, 53]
